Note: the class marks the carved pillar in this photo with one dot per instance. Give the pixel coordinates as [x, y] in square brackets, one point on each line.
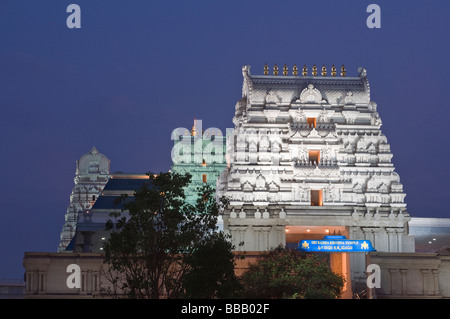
[394, 289]
[369, 234]
[83, 290]
[41, 281]
[238, 236]
[262, 237]
[29, 281]
[392, 239]
[95, 280]
[425, 281]
[357, 261]
[436, 281]
[399, 232]
[403, 273]
[281, 235]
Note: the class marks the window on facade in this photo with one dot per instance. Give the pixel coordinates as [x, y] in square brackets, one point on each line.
[314, 156]
[204, 178]
[311, 122]
[316, 198]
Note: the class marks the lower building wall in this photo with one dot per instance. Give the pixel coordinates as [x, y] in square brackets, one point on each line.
[402, 275]
[47, 274]
[410, 275]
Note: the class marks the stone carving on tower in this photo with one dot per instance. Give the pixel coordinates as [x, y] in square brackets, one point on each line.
[91, 175]
[331, 164]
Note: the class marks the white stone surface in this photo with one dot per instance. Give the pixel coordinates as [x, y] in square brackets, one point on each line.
[271, 171]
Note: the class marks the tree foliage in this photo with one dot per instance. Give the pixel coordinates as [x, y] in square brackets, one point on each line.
[286, 273]
[158, 243]
[212, 274]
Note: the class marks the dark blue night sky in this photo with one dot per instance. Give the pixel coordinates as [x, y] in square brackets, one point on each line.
[136, 70]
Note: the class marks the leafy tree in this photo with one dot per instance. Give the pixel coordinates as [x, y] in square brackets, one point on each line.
[161, 240]
[212, 274]
[287, 273]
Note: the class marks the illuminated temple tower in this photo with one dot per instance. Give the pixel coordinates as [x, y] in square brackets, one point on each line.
[92, 174]
[200, 153]
[308, 159]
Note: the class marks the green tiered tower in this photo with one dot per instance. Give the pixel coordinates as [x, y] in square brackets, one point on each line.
[200, 153]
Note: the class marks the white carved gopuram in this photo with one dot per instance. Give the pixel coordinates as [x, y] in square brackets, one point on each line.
[91, 175]
[307, 158]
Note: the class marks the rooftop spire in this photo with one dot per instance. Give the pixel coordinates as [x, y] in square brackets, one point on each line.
[285, 69]
[333, 70]
[324, 70]
[305, 71]
[343, 70]
[194, 130]
[266, 70]
[314, 70]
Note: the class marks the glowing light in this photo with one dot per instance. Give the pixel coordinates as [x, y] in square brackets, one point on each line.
[311, 121]
[316, 198]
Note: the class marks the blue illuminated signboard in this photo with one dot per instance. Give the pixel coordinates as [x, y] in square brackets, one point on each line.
[335, 244]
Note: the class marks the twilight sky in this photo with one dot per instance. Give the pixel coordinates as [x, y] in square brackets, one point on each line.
[136, 70]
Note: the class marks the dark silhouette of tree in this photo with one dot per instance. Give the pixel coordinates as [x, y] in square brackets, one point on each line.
[160, 243]
[286, 273]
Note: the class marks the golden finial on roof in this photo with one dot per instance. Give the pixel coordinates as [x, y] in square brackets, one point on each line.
[285, 70]
[333, 70]
[314, 70]
[194, 130]
[324, 70]
[275, 70]
[343, 70]
[295, 70]
[266, 70]
[305, 71]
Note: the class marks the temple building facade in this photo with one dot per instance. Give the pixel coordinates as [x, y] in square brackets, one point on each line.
[91, 175]
[308, 159]
[90, 232]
